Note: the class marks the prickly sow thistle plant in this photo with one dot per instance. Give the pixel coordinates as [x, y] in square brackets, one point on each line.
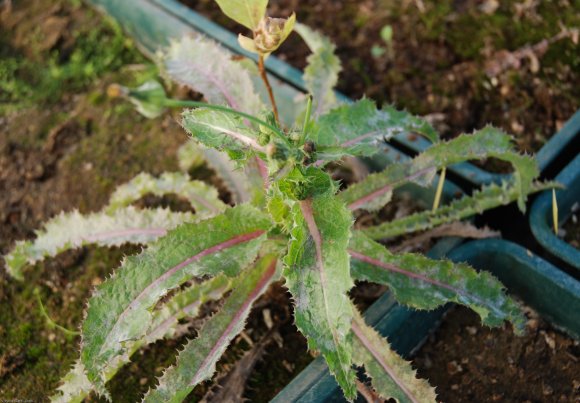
[290, 223]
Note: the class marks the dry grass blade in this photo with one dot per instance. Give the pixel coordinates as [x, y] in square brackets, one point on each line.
[458, 229]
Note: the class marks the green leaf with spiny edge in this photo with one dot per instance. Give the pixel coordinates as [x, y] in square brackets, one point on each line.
[485, 143]
[249, 13]
[202, 197]
[423, 283]
[75, 386]
[202, 65]
[360, 128]
[321, 73]
[391, 376]
[487, 198]
[222, 131]
[120, 309]
[197, 361]
[74, 230]
[318, 276]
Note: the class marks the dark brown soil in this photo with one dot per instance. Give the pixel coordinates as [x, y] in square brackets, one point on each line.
[471, 363]
[440, 55]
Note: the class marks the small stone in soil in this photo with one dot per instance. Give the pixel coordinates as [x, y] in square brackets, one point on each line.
[453, 368]
[472, 330]
[547, 390]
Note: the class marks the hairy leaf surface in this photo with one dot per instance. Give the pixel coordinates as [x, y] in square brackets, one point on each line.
[74, 230]
[489, 197]
[75, 386]
[424, 283]
[488, 142]
[197, 361]
[391, 376]
[321, 73]
[202, 197]
[360, 128]
[120, 309]
[318, 276]
[245, 184]
[221, 131]
[202, 65]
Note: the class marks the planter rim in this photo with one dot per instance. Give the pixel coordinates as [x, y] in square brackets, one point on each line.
[541, 214]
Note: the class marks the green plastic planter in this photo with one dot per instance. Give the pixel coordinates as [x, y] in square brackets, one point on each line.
[541, 219]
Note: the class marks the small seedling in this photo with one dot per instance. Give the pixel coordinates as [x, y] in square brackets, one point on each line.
[386, 34]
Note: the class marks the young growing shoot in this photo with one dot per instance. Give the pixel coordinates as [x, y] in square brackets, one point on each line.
[291, 223]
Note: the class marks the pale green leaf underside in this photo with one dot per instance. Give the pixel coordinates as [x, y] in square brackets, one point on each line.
[202, 197]
[197, 361]
[190, 156]
[240, 184]
[318, 276]
[202, 65]
[391, 376]
[245, 12]
[120, 309]
[360, 129]
[489, 197]
[75, 386]
[488, 142]
[321, 73]
[423, 283]
[74, 230]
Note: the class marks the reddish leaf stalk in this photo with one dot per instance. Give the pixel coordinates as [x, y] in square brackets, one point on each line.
[264, 76]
